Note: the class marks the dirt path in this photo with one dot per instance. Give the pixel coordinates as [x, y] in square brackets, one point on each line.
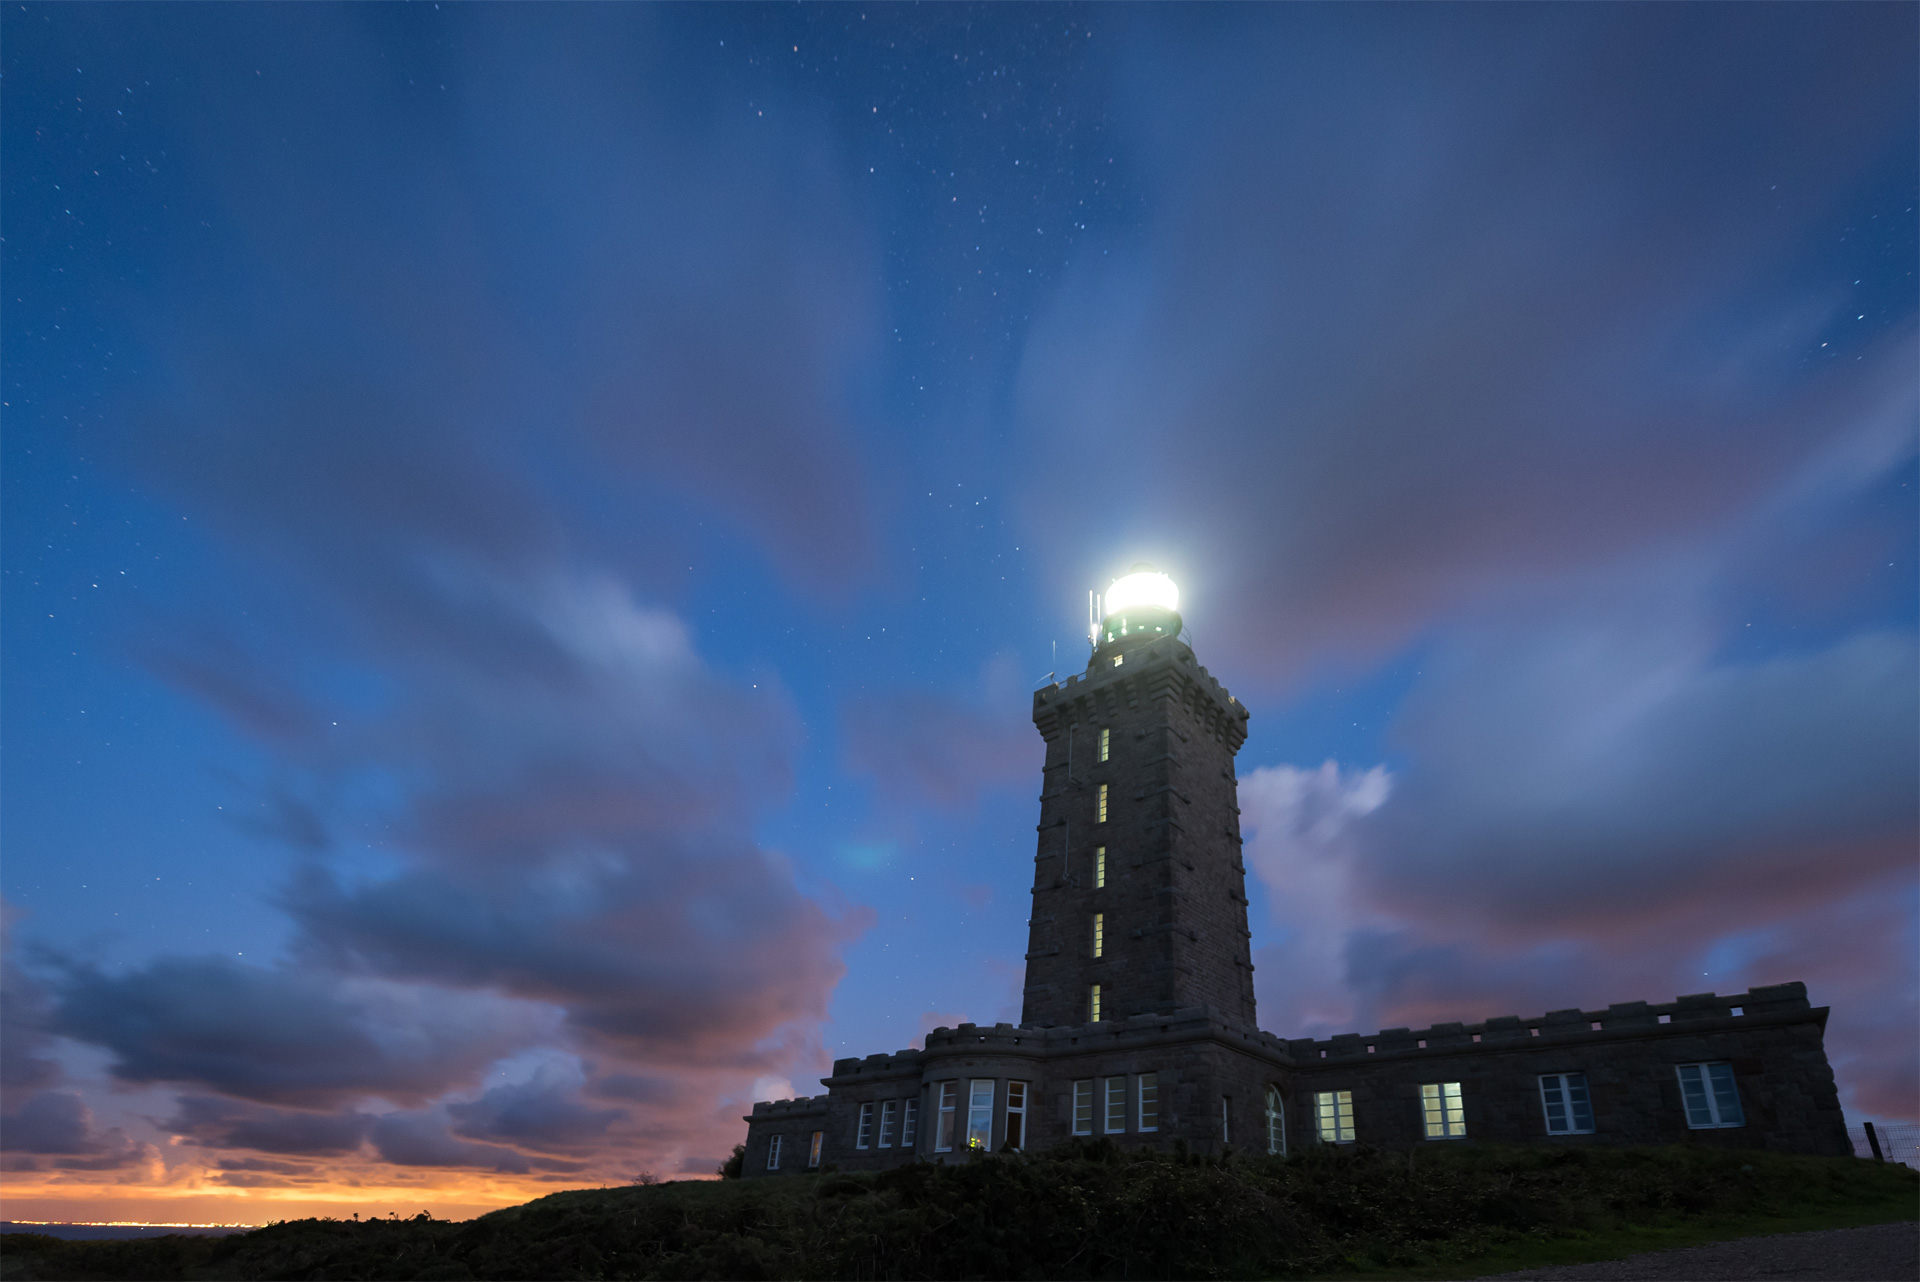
[1876, 1253]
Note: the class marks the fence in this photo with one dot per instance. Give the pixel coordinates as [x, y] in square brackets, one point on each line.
[1898, 1143]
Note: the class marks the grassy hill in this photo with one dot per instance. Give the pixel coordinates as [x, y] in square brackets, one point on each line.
[1085, 1211]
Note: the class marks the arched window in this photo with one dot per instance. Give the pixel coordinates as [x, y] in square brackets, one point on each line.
[1276, 1122]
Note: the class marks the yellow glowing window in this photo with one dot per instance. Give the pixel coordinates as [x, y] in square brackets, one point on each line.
[1099, 934]
[1100, 806]
[1445, 1111]
[1117, 659]
[1334, 1112]
[1106, 742]
[1093, 1004]
[1099, 867]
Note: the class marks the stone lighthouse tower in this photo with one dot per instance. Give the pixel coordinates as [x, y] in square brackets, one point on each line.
[1139, 890]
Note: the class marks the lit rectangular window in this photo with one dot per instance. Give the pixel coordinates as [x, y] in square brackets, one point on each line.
[864, 1137]
[1116, 1105]
[949, 1102]
[1568, 1107]
[1099, 934]
[889, 1115]
[1149, 1101]
[980, 1115]
[773, 1153]
[1444, 1110]
[909, 1124]
[1710, 1096]
[1093, 1005]
[1106, 742]
[1333, 1110]
[1099, 867]
[1117, 659]
[813, 1149]
[1100, 805]
[1016, 1115]
[1083, 1107]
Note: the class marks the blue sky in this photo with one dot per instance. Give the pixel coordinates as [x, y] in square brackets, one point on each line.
[530, 533]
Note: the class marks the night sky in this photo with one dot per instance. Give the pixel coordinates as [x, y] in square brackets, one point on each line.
[530, 532]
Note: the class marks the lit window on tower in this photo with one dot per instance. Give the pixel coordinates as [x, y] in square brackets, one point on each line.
[1099, 934]
[1099, 867]
[1100, 806]
[1106, 742]
[1093, 1005]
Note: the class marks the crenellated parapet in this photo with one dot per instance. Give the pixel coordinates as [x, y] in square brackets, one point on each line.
[1699, 1012]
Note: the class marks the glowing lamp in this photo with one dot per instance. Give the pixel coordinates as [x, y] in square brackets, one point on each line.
[1145, 586]
[1141, 602]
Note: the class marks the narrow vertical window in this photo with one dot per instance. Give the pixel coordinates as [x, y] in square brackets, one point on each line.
[1093, 1005]
[813, 1150]
[889, 1115]
[1226, 1114]
[864, 1136]
[1116, 1120]
[1149, 1101]
[1083, 1107]
[980, 1115]
[1016, 1134]
[1099, 934]
[773, 1153]
[1710, 1096]
[1276, 1123]
[1099, 867]
[1569, 1109]
[909, 1124]
[1106, 742]
[949, 1101]
[1445, 1112]
[1333, 1111]
[1100, 806]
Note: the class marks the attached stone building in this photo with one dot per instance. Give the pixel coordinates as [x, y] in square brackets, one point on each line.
[1138, 1014]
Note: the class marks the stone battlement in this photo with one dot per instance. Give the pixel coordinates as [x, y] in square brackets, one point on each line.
[1629, 1018]
[805, 1105]
[906, 1061]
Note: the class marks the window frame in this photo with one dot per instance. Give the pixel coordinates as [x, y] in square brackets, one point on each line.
[889, 1123]
[1113, 1099]
[1335, 1107]
[909, 1123]
[1106, 742]
[863, 1132]
[1093, 1004]
[980, 1114]
[1014, 1134]
[773, 1152]
[947, 1104]
[1570, 1108]
[814, 1145]
[1082, 1119]
[1226, 1119]
[1709, 1085]
[1099, 935]
[1099, 867]
[1276, 1116]
[1443, 1105]
[1146, 1096]
[1100, 804]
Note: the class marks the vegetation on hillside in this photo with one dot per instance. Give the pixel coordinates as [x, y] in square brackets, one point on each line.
[1083, 1211]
